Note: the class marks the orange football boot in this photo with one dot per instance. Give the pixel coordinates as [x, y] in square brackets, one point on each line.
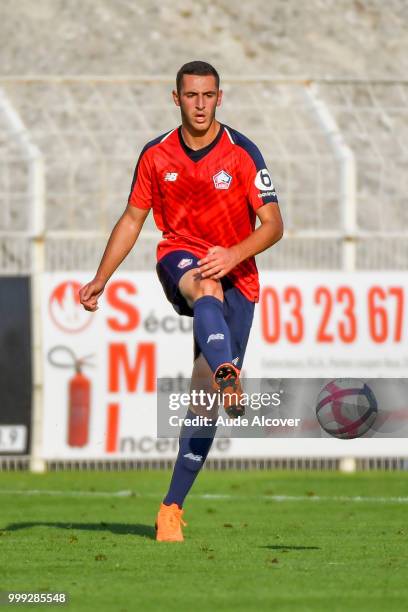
[168, 524]
[226, 380]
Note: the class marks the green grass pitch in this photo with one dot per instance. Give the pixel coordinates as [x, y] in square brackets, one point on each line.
[300, 541]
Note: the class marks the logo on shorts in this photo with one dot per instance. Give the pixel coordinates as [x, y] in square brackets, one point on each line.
[212, 337]
[222, 180]
[193, 457]
[171, 176]
[183, 263]
[235, 361]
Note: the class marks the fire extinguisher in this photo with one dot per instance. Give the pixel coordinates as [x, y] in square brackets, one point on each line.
[79, 397]
[78, 408]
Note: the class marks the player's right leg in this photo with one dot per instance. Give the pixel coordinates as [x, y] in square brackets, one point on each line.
[196, 440]
[194, 445]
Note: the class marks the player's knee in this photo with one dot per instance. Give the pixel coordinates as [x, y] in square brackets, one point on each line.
[207, 286]
[192, 287]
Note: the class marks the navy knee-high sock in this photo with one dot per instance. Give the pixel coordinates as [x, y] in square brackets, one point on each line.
[194, 446]
[211, 331]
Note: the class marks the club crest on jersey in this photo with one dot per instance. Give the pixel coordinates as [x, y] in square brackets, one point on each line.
[222, 180]
[183, 263]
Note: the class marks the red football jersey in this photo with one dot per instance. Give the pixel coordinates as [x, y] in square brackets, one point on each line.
[207, 202]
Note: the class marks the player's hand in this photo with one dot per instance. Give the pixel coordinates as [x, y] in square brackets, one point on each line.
[218, 262]
[90, 293]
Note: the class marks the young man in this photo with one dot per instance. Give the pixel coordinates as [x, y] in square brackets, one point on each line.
[206, 183]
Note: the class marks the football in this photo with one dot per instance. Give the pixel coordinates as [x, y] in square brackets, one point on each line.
[346, 408]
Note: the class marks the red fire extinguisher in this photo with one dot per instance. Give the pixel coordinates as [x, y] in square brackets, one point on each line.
[78, 408]
[79, 397]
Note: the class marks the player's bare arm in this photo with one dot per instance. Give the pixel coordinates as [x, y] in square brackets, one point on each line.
[120, 243]
[219, 260]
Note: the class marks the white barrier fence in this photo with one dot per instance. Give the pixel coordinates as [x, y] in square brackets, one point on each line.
[100, 368]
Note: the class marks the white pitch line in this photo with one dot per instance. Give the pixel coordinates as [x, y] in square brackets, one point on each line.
[316, 498]
[32, 492]
[338, 498]
[209, 496]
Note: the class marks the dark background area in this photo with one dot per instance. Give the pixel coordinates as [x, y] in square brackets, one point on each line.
[15, 352]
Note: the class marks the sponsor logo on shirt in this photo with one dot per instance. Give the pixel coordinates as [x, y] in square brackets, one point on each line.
[183, 263]
[222, 180]
[171, 176]
[263, 180]
[265, 194]
[212, 337]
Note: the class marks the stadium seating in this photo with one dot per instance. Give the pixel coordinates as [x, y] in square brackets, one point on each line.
[90, 131]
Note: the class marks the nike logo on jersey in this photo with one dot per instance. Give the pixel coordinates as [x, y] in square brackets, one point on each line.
[222, 180]
[171, 176]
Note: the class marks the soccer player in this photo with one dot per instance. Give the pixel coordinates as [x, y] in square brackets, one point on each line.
[206, 184]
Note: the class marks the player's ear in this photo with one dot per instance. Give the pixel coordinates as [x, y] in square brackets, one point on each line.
[176, 98]
[219, 97]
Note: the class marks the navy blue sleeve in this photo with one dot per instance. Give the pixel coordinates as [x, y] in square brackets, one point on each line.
[260, 188]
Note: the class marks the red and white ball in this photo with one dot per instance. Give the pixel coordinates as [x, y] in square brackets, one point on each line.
[346, 408]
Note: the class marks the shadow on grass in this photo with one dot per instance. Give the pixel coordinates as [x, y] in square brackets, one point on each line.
[282, 547]
[144, 531]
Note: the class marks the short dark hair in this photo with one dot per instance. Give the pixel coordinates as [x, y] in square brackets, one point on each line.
[199, 68]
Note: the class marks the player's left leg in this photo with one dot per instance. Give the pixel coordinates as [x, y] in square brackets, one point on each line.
[203, 298]
[206, 298]
[212, 335]
[195, 441]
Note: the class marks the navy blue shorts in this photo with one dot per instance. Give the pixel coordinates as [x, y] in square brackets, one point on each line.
[238, 310]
